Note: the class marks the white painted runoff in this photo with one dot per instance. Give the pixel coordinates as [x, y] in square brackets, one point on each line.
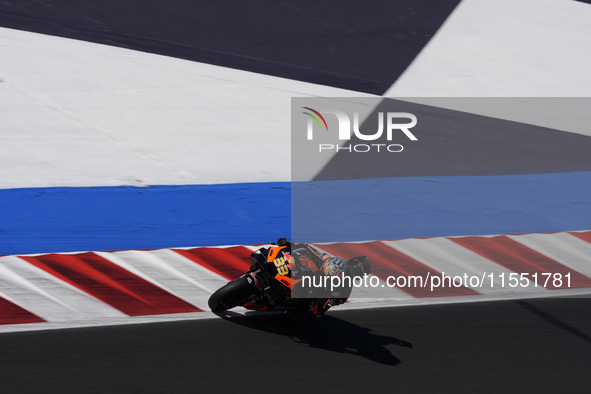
[74, 113]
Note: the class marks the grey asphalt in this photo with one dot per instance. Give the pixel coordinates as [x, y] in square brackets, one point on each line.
[526, 346]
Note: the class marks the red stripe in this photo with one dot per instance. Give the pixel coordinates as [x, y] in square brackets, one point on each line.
[230, 263]
[521, 259]
[13, 314]
[585, 236]
[386, 261]
[111, 284]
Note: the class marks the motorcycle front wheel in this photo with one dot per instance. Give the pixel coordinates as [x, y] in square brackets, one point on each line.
[233, 294]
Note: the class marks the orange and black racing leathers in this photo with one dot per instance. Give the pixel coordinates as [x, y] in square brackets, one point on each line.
[304, 259]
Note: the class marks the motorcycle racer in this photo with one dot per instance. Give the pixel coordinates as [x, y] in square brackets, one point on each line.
[305, 260]
[292, 277]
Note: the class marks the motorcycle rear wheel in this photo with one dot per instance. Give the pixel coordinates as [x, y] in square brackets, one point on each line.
[233, 294]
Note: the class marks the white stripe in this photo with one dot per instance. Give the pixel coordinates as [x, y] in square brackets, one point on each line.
[172, 272]
[565, 248]
[447, 257]
[47, 296]
[253, 248]
[354, 304]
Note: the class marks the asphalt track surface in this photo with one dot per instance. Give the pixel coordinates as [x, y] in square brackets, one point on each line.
[525, 346]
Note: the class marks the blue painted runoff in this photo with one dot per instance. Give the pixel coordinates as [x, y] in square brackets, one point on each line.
[44, 220]
[62, 219]
[418, 207]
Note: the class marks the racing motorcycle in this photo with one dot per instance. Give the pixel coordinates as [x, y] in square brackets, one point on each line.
[268, 283]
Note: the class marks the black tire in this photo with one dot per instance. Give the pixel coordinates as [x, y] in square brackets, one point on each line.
[233, 294]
